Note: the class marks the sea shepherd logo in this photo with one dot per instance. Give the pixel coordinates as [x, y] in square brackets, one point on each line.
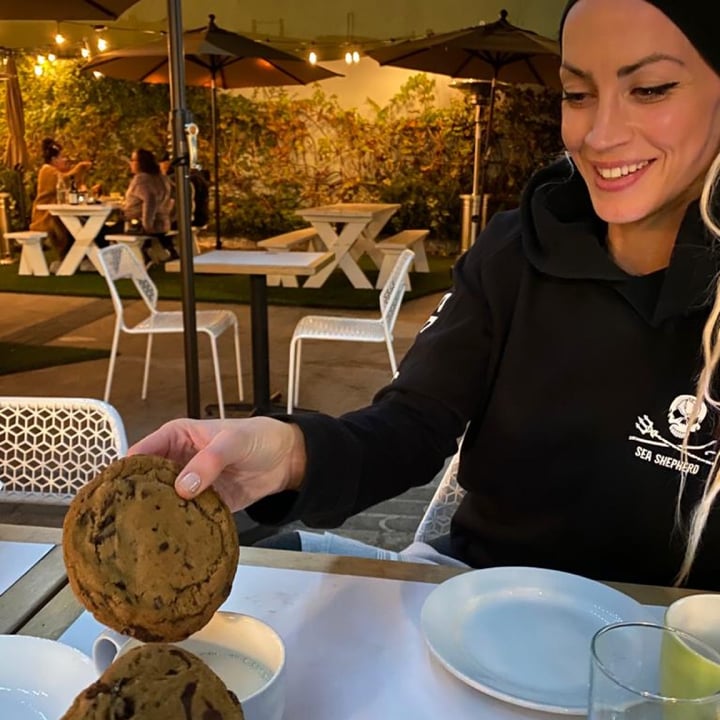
[655, 448]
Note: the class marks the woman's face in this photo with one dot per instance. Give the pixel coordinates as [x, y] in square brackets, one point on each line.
[134, 165]
[60, 162]
[641, 109]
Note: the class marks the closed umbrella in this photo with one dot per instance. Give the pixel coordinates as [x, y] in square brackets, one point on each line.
[63, 9]
[494, 52]
[16, 152]
[214, 58]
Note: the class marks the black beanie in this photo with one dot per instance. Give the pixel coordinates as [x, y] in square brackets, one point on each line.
[699, 20]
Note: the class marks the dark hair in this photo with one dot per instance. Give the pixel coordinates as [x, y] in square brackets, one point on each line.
[146, 162]
[50, 149]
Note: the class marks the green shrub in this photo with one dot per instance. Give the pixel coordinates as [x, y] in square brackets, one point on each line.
[279, 153]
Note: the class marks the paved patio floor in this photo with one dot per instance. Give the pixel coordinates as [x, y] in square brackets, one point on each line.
[336, 376]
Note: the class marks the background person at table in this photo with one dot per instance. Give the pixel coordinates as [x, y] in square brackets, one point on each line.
[199, 191]
[149, 200]
[55, 166]
[570, 341]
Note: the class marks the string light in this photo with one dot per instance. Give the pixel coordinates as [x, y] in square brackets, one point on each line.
[52, 57]
[38, 70]
[351, 48]
[97, 74]
[59, 37]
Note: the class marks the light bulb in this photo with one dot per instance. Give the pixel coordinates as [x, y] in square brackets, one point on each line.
[52, 57]
[85, 51]
[356, 56]
[38, 70]
[59, 39]
[102, 45]
[97, 74]
[348, 58]
[41, 59]
[312, 57]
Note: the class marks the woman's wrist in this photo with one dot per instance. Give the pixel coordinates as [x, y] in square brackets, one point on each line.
[298, 459]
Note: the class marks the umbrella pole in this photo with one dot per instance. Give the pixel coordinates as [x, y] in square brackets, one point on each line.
[180, 118]
[488, 133]
[216, 161]
[478, 145]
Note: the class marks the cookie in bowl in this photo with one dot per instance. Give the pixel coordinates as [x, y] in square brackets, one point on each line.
[156, 681]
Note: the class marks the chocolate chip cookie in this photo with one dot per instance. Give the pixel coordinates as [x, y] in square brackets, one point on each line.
[156, 682]
[141, 559]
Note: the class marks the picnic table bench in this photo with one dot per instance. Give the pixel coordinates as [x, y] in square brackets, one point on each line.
[293, 240]
[392, 246]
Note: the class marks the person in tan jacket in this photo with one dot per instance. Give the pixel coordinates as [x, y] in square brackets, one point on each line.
[55, 165]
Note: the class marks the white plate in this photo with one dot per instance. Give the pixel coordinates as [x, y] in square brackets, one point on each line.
[523, 634]
[40, 678]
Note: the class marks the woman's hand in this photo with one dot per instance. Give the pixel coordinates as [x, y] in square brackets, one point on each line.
[244, 460]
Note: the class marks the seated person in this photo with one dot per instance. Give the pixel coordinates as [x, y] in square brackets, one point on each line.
[55, 166]
[149, 200]
[199, 191]
[578, 350]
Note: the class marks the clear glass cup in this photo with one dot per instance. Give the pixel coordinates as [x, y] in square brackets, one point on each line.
[642, 671]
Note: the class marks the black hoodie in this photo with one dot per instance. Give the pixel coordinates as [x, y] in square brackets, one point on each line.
[577, 380]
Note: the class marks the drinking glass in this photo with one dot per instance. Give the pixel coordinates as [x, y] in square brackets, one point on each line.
[642, 671]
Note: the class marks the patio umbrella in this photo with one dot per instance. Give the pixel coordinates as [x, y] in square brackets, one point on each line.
[16, 152]
[63, 9]
[494, 52]
[214, 58]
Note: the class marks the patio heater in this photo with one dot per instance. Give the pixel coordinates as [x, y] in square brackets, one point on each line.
[481, 91]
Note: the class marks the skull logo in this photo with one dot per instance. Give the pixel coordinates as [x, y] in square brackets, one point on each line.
[680, 413]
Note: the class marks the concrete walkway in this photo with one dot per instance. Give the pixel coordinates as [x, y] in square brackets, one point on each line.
[336, 377]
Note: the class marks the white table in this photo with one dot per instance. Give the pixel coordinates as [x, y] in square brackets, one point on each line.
[351, 628]
[84, 223]
[16, 558]
[258, 264]
[348, 230]
[354, 648]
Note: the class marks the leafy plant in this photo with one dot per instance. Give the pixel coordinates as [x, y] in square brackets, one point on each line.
[279, 153]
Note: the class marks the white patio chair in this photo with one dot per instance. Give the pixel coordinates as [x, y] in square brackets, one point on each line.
[327, 327]
[436, 520]
[50, 447]
[118, 262]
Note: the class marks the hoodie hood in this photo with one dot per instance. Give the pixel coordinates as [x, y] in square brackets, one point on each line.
[564, 238]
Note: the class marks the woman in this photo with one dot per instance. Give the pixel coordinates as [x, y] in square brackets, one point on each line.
[570, 342]
[148, 200]
[56, 167]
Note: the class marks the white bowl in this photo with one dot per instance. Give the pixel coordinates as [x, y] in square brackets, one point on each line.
[246, 653]
[40, 678]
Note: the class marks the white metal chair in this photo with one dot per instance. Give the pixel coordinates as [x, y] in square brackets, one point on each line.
[327, 327]
[118, 262]
[436, 520]
[50, 447]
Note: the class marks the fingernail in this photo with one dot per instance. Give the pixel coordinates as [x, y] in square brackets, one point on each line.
[189, 483]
